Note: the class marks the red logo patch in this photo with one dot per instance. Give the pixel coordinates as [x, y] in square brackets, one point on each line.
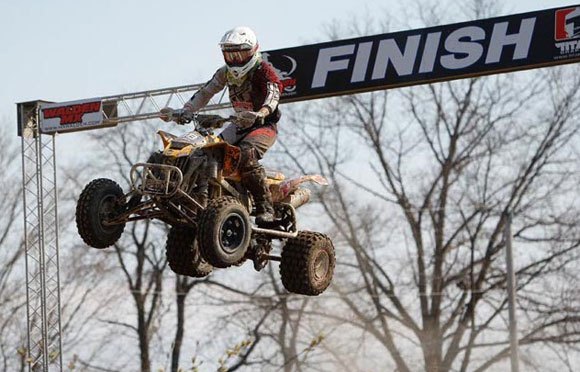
[567, 24]
[243, 106]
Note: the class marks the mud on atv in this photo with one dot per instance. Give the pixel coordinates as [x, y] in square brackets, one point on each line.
[194, 186]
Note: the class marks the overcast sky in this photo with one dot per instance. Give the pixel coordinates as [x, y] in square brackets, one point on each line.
[66, 50]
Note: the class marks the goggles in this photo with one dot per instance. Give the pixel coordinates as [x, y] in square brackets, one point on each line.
[237, 57]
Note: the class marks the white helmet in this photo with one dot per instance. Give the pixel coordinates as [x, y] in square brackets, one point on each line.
[240, 49]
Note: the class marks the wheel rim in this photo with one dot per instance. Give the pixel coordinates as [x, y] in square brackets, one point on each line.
[232, 233]
[321, 266]
[106, 209]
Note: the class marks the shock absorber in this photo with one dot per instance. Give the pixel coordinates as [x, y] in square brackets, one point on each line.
[213, 174]
[212, 169]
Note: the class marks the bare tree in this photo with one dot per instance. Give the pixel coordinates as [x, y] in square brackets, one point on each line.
[422, 182]
[140, 254]
[183, 287]
[262, 326]
[446, 170]
[12, 298]
[141, 257]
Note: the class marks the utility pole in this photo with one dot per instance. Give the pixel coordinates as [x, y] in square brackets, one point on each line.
[511, 288]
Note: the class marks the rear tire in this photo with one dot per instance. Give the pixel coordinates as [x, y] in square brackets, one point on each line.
[307, 263]
[99, 201]
[224, 232]
[183, 255]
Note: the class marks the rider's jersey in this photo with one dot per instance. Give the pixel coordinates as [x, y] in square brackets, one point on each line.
[261, 88]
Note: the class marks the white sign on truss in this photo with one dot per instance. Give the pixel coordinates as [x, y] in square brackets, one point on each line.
[71, 116]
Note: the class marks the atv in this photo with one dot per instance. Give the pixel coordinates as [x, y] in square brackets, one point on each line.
[193, 185]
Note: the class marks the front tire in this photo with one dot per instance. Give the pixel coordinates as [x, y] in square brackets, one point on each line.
[183, 255]
[224, 232]
[98, 202]
[307, 263]
[156, 157]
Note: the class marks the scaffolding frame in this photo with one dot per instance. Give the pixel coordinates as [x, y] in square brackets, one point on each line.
[40, 242]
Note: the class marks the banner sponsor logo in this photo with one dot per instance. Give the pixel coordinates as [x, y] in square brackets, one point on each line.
[567, 32]
[567, 24]
[284, 68]
[243, 106]
[67, 116]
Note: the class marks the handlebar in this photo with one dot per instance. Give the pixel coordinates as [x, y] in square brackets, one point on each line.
[204, 121]
[211, 121]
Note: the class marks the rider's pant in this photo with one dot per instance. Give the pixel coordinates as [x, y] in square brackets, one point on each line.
[260, 139]
[253, 145]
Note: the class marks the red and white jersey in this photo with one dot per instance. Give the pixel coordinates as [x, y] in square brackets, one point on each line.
[261, 88]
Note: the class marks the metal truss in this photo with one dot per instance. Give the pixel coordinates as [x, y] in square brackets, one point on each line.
[145, 105]
[41, 243]
[44, 351]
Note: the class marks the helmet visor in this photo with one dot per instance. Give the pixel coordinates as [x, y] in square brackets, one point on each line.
[238, 58]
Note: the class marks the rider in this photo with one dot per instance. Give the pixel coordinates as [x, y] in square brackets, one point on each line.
[254, 90]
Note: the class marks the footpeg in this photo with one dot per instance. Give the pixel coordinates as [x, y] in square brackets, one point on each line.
[275, 224]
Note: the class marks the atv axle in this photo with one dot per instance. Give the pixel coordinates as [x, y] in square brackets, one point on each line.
[274, 233]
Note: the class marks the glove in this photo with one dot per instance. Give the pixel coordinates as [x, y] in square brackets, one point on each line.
[166, 114]
[179, 116]
[183, 116]
[246, 119]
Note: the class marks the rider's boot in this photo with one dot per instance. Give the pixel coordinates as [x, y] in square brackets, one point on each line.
[255, 181]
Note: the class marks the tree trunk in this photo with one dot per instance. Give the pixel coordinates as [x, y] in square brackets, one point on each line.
[143, 337]
[432, 347]
[178, 340]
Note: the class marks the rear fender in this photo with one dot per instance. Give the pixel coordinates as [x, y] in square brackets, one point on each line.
[232, 158]
[281, 190]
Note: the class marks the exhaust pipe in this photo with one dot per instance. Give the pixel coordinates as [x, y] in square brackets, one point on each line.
[298, 198]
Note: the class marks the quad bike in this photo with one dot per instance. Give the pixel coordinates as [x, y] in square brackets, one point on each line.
[194, 186]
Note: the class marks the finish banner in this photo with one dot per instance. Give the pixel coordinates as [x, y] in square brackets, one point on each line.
[483, 47]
